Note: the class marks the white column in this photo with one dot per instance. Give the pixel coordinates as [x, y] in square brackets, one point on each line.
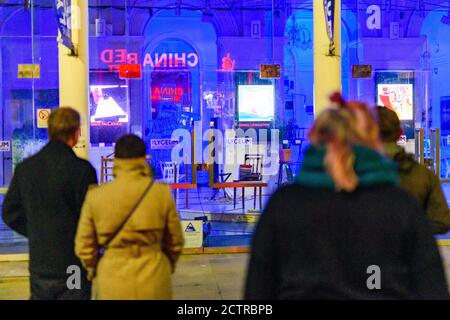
[74, 73]
[327, 69]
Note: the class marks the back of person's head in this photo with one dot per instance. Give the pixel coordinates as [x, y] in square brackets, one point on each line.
[129, 146]
[366, 122]
[63, 124]
[390, 129]
[336, 129]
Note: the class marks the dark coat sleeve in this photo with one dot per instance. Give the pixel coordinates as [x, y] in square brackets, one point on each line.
[262, 283]
[436, 206]
[87, 179]
[13, 212]
[428, 279]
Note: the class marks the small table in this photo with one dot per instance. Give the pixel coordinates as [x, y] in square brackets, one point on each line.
[186, 187]
[223, 178]
[243, 184]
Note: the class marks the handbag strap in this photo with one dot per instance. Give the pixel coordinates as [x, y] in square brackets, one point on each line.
[128, 216]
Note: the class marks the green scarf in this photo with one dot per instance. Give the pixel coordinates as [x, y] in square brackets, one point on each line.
[370, 167]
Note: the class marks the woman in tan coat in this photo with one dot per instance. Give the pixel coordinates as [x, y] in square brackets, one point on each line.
[139, 261]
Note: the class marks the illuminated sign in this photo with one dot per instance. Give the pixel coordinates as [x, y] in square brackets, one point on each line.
[116, 57]
[169, 94]
[397, 97]
[228, 64]
[130, 71]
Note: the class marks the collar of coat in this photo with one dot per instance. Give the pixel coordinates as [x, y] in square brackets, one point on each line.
[370, 166]
[60, 147]
[405, 161]
[131, 167]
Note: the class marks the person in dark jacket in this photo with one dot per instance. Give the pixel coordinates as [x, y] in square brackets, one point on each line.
[43, 203]
[415, 178]
[344, 230]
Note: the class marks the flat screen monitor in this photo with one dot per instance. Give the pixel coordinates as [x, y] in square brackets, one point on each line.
[109, 113]
[397, 97]
[256, 103]
[109, 104]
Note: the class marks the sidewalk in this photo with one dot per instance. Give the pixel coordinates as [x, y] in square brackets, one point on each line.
[208, 277]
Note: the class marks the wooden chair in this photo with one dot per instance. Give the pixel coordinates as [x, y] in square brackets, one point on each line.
[107, 165]
[256, 161]
[254, 180]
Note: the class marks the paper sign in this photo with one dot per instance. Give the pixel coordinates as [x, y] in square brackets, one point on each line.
[29, 71]
[5, 146]
[42, 117]
[361, 71]
[269, 71]
[193, 233]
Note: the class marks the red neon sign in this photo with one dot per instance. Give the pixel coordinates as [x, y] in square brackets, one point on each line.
[169, 94]
[130, 71]
[115, 57]
[228, 64]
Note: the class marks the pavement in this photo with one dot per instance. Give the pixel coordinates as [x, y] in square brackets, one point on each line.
[198, 277]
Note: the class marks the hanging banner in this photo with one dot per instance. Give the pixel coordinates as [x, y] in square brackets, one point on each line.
[63, 15]
[328, 6]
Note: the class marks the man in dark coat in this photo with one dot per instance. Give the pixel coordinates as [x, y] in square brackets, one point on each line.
[43, 203]
[415, 178]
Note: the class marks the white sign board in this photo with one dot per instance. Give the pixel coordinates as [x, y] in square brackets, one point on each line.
[159, 144]
[5, 146]
[42, 116]
[193, 233]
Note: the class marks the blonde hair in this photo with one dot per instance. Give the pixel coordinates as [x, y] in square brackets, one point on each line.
[63, 123]
[336, 129]
[367, 124]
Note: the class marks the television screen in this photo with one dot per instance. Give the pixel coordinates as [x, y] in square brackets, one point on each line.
[256, 103]
[397, 97]
[109, 114]
[109, 104]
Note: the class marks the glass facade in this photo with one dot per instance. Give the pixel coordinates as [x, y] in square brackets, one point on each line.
[200, 66]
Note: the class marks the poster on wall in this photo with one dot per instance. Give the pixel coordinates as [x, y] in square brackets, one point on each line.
[397, 97]
[256, 103]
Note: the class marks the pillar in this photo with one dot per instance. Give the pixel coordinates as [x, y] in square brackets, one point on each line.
[74, 73]
[327, 69]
